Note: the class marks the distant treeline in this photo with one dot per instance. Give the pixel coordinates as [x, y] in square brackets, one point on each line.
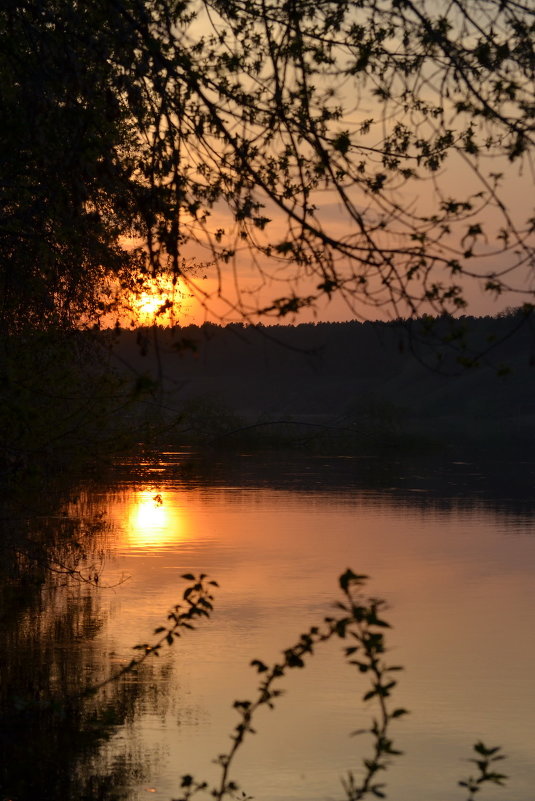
[463, 377]
[443, 343]
[66, 395]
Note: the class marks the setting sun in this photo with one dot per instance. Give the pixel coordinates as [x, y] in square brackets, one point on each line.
[149, 305]
[158, 301]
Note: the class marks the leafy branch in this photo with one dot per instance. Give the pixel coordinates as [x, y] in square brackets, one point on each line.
[197, 604]
[486, 757]
[361, 622]
[361, 625]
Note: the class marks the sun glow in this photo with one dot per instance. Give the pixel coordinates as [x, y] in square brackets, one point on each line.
[153, 522]
[149, 305]
[158, 301]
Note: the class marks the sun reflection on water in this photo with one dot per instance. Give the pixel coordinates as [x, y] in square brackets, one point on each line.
[153, 521]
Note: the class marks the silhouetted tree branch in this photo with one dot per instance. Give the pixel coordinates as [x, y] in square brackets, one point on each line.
[320, 143]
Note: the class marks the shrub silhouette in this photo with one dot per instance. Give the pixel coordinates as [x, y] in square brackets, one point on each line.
[359, 621]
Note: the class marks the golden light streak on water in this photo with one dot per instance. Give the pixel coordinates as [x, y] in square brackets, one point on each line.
[152, 521]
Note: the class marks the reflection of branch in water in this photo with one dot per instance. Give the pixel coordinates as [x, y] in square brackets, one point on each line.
[53, 741]
[90, 575]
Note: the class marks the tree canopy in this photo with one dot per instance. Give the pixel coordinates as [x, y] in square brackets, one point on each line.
[359, 147]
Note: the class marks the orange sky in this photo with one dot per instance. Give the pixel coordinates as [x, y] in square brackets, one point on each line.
[221, 294]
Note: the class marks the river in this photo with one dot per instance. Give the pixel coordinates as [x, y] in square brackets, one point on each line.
[450, 546]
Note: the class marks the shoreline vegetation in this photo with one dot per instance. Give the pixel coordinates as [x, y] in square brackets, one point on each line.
[430, 386]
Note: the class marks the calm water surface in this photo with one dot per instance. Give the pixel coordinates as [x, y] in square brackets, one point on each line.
[453, 556]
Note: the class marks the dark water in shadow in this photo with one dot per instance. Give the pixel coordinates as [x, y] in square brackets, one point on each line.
[451, 546]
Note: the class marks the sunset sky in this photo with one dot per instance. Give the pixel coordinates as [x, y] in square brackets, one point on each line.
[234, 291]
